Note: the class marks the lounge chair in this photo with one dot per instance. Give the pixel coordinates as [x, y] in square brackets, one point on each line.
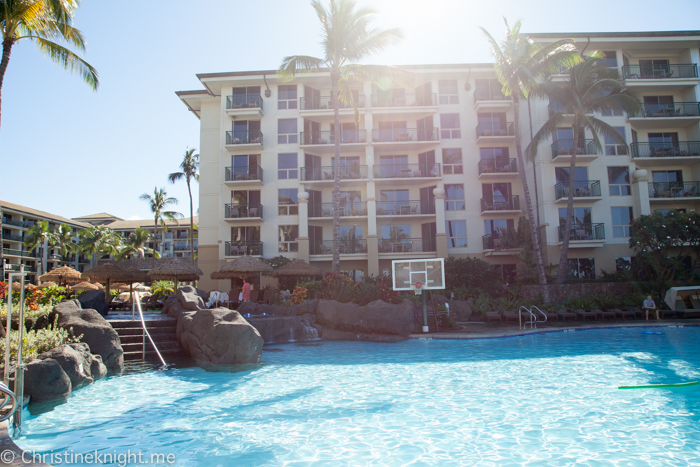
[493, 316]
[607, 314]
[254, 294]
[665, 314]
[510, 316]
[624, 314]
[551, 316]
[585, 314]
[564, 315]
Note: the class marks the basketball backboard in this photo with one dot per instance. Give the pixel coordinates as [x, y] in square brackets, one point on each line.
[429, 272]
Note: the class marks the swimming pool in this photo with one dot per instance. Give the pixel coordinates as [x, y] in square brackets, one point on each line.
[544, 399]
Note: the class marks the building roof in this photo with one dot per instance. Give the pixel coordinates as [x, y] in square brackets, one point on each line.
[148, 223]
[101, 215]
[574, 35]
[42, 214]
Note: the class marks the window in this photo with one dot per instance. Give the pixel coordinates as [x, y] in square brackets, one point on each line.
[580, 216]
[244, 240]
[448, 91]
[288, 238]
[287, 166]
[622, 218]
[396, 238]
[493, 124]
[666, 211]
[619, 181]
[392, 166]
[288, 204]
[582, 268]
[654, 69]
[497, 197]
[610, 60]
[562, 174]
[449, 126]
[613, 146]
[454, 197]
[668, 184]
[456, 234]
[287, 98]
[659, 106]
[244, 97]
[393, 131]
[245, 132]
[393, 202]
[452, 161]
[287, 131]
[495, 160]
[496, 230]
[623, 263]
[488, 90]
[351, 241]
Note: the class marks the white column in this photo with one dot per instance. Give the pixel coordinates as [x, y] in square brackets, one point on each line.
[440, 234]
[640, 192]
[303, 239]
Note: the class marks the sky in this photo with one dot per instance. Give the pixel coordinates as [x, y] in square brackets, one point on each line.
[70, 151]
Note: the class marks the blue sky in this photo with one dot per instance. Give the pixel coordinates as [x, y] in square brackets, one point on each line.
[71, 151]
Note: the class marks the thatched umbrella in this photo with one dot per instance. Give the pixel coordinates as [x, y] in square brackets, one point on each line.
[99, 286]
[105, 273]
[46, 285]
[84, 286]
[175, 269]
[297, 268]
[62, 274]
[243, 266]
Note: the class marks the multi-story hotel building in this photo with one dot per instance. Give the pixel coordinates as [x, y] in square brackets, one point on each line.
[431, 171]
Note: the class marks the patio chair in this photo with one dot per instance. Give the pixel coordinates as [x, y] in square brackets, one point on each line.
[666, 314]
[253, 212]
[607, 314]
[234, 250]
[510, 316]
[585, 314]
[638, 313]
[254, 295]
[624, 314]
[564, 315]
[493, 316]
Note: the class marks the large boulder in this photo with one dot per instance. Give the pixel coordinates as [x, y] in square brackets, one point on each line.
[189, 298]
[94, 300]
[461, 311]
[172, 307]
[257, 309]
[77, 362]
[378, 317]
[277, 329]
[45, 380]
[97, 333]
[218, 338]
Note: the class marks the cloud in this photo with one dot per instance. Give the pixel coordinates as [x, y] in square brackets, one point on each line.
[135, 218]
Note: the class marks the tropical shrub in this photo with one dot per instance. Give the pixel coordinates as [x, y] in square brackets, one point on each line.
[299, 295]
[376, 288]
[35, 342]
[162, 289]
[472, 272]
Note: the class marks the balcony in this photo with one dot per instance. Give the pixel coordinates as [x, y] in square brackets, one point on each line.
[486, 100]
[12, 237]
[348, 246]
[670, 115]
[407, 245]
[667, 153]
[242, 212]
[325, 210]
[55, 257]
[16, 223]
[500, 205]
[494, 169]
[680, 71]
[244, 105]
[244, 175]
[677, 191]
[243, 248]
[406, 138]
[68, 259]
[406, 173]
[324, 141]
[11, 252]
[584, 235]
[418, 105]
[243, 140]
[324, 103]
[584, 190]
[326, 173]
[405, 208]
[498, 243]
[182, 248]
[495, 132]
[563, 149]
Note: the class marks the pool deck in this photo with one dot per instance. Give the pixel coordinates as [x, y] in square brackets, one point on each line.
[10, 453]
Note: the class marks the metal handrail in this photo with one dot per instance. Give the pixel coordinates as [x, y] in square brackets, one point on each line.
[145, 331]
[532, 322]
[543, 313]
[9, 395]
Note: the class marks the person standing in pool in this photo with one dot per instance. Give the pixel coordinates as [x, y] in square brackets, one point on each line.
[246, 290]
[649, 305]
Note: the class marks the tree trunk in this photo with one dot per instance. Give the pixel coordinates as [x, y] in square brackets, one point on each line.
[191, 239]
[534, 168]
[155, 243]
[6, 50]
[563, 268]
[528, 204]
[336, 174]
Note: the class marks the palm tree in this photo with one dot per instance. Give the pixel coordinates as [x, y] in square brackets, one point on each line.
[44, 21]
[190, 171]
[159, 201]
[588, 89]
[521, 65]
[62, 240]
[99, 240]
[38, 235]
[137, 244]
[347, 40]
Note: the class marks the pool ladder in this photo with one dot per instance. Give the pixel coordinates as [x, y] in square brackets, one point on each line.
[532, 318]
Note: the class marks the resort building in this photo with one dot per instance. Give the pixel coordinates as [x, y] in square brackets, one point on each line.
[431, 171]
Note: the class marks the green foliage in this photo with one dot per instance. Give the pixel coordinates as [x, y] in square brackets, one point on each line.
[475, 272]
[35, 342]
[376, 288]
[162, 288]
[277, 261]
[30, 314]
[53, 295]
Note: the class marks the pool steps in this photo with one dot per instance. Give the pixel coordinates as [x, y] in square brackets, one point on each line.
[163, 332]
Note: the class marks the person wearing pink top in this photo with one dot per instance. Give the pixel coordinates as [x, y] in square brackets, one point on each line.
[246, 291]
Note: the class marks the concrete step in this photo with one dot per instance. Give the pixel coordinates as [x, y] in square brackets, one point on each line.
[128, 324]
[137, 346]
[139, 331]
[168, 355]
[158, 337]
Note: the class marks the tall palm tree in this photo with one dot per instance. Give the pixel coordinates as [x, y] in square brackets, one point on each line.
[190, 171]
[588, 89]
[62, 240]
[521, 65]
[159, 201]
[37, 236]
[347, 39]
[99, 240]
[137, 244]
[44, 22]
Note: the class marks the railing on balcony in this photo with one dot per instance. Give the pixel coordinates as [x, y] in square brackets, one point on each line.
[243, 173]
[68, 259]
[16, 238]
[237, 211]
[685, 70]
[582, 189]
[351, 172]
[674, 190]
[348, 246]
[407, 245]
[181, 248]
[405, 208]
[13, 267]
[498, 241]
[405, 135]
[669, 110]
[244, 137]
[325, 103]
[489, 95]
[405, 100]
[55, 258]
[583, 232]
[328, 137]
[345, 209]
[670, 149]
[487, 129]
[499, 166]
[244, 101]
[12, 252]
[565, 147]
[243, 248]
[406, 170]
[500, 203]
[17, 223]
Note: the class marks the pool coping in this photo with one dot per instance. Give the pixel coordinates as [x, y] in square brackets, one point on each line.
[7, 444]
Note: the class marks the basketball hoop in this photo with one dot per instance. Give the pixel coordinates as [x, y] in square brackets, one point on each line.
[417, 288]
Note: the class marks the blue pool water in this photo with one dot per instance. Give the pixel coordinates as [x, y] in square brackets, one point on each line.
[545, 399]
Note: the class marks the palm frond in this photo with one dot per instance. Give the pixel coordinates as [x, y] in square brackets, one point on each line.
[549, 128]
[69, 60]
[299, 64]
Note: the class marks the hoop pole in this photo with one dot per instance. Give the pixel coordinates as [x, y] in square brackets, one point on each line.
[425, 314]
[433, 300]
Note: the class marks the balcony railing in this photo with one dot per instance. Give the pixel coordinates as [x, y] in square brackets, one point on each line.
[405, 208]
[243, 248]
[669, 110]
[674, 190]
[499, 166]
[55, 258]
[16, 238]
[405, 135]
[16, 223]
[685, 70]
[351, 172]
[325, 103]
[244, 101]
[489, 95]
[68, 259]
[488, 129]
[243, 173]
[583, 232]
[406, 170]
[582, 189]
[500, 203]
[407, 245]
[565, 147]
[12, 252]
[497, 241]
[405, 100]
[13, 267]
[237, 211]
[181, 248]
[345, 209]
[244, 137]
[348, 246]
[670, 149]
[328, 137]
